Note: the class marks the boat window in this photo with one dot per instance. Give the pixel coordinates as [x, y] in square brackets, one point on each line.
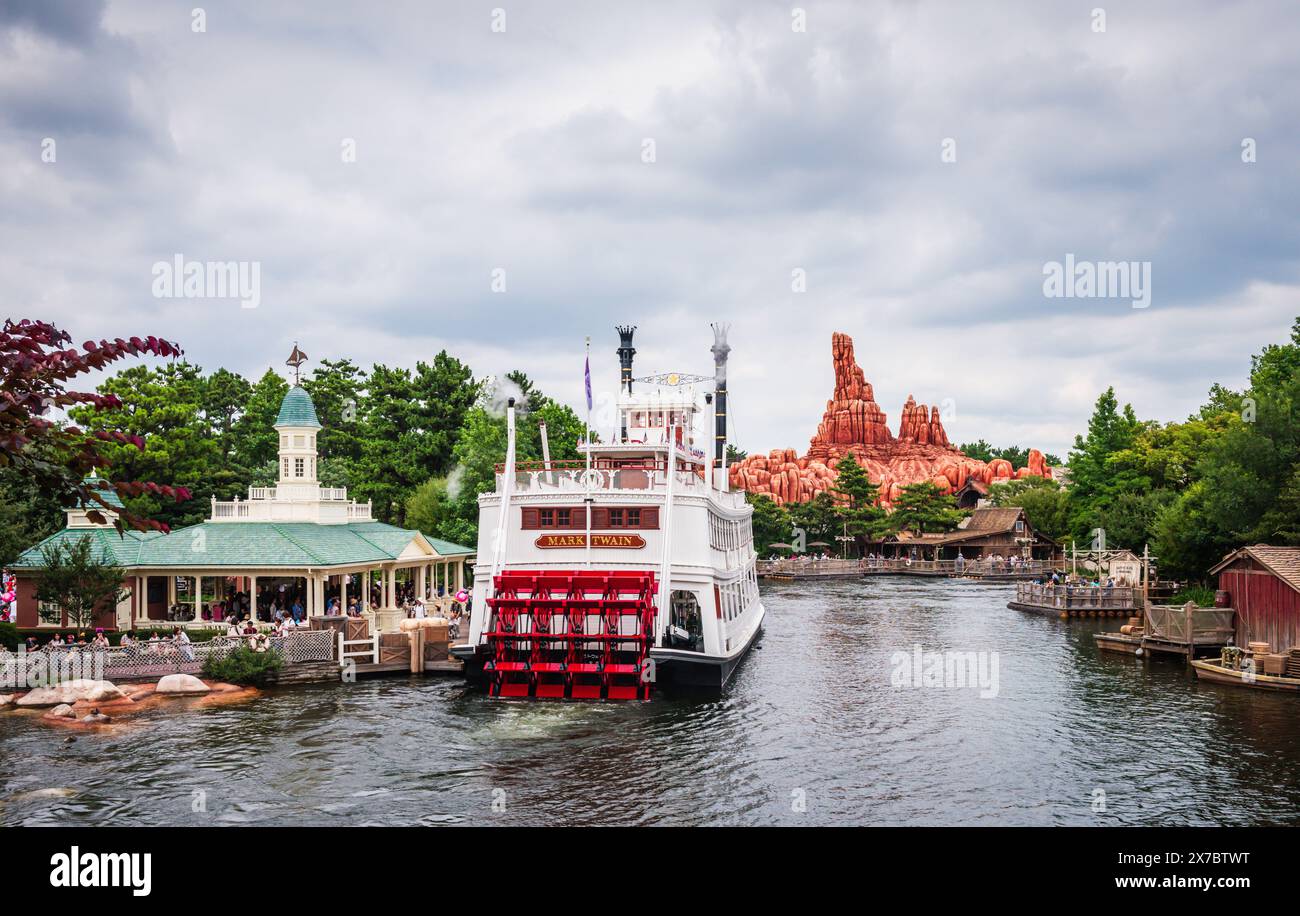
[634, 518]
[548, 518]
[563, 518]
[686, 627]
[616, 518]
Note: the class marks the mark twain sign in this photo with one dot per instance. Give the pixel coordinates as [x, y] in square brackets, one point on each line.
[616, 541]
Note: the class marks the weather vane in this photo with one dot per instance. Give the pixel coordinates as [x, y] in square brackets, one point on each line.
[296, 359]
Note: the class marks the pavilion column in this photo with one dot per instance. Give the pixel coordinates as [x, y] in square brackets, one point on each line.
[343, 593]
[460, 574]
[252, 597]
[422, 582]
[392, 587]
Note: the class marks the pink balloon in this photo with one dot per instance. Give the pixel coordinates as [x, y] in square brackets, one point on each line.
[462, 596]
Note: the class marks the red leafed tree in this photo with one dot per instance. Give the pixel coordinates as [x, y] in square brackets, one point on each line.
[37, 360]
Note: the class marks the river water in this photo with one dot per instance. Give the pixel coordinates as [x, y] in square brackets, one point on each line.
[815, 729]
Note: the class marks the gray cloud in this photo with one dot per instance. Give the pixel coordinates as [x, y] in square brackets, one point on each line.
[775, 150]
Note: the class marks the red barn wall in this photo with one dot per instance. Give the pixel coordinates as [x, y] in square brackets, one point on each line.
[1268, 609]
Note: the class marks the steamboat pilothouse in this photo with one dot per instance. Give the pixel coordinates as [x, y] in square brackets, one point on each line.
[632, 567]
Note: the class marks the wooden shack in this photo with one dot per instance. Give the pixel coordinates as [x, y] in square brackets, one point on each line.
[987, 532]
[1262, 584]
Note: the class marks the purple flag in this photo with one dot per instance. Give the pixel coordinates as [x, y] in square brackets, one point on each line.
[586, 375]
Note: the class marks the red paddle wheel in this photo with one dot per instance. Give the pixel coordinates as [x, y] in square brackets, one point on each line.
[591, 643]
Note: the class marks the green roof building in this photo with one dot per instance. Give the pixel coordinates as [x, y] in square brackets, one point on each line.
[296, 543]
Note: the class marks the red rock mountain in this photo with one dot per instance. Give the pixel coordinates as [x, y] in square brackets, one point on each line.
[854, 423]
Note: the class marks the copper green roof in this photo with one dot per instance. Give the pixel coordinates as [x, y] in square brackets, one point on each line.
[297, 409]
[247, 545]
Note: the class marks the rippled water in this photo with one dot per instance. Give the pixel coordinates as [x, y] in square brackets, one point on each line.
[811, 717]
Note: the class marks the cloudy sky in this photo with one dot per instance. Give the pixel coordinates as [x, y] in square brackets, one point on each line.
[518, 143]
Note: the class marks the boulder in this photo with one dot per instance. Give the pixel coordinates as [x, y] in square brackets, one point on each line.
[181, 685]
[62, 711]
[70, 692]
[6, 699]
[853, 424]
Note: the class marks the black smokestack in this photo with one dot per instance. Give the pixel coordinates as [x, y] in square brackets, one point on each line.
[720, 350]
[625, 353]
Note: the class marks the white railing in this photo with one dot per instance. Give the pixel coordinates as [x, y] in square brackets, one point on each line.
[621, 480]
[277, 509]
[367, 649]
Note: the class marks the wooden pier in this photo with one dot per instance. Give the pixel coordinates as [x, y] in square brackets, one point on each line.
[790, 570]
[1076, 600]
[1185, 630]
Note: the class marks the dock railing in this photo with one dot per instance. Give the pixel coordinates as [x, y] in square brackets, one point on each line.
[155, 659]
[1077, 597]
[1188, 624]
[808, 565]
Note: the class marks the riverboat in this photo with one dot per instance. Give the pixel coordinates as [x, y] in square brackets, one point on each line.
[631, 568]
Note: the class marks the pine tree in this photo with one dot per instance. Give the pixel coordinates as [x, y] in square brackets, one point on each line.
[858, 503]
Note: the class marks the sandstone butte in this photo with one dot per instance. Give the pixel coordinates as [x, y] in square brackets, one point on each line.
[853, 423]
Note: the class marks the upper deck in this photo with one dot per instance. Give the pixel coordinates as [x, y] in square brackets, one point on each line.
[614, 473]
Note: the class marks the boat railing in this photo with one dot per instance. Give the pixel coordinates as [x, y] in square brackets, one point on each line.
[1188, 623]
[575, 477]
[1077, 597]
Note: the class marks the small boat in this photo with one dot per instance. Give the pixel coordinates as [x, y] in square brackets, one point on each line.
[631, 567]
[1214, 671]
[1119, 642]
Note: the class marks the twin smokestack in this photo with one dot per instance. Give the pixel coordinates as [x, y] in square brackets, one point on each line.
[720, 350]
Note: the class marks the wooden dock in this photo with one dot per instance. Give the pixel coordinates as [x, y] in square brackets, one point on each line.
[1077, 601]
[792, 570]
[1184, 630]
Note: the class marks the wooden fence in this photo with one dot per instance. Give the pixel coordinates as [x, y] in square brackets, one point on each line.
[1190, 625]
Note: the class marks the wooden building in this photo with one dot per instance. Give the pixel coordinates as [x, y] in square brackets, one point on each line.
[1263, 586]
[987, 532]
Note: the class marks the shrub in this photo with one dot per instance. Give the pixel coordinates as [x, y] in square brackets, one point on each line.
[9, 636]
[1197, 594]
[243, 666]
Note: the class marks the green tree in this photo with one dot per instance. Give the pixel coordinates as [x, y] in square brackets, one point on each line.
[818, 518]
[1046, 504]
[163, 405]
[923, 508]
[409, 429]
[858, 500]
[337, 389]
[771, 523]
[74, 579]
[27, 515]
[1095, 478]
[258, 441]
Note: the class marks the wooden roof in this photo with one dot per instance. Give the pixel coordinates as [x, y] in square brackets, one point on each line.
[1283, 562]
[983, 522]
[992, 519]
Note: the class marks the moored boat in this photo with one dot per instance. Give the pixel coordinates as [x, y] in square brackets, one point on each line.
[629, 569]
[1216, 672]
